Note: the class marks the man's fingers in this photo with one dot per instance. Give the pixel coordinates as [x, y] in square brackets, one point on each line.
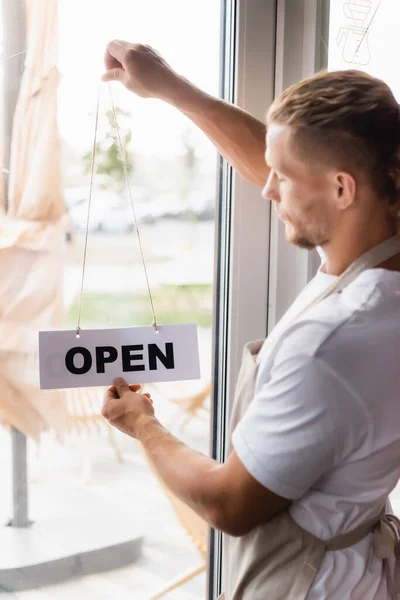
[110, 62]
[109, 400]
[149, 397]
[135, 387]
[111, 393]
[117, 49]
[113, 75]
[111, 409]
[122, 386]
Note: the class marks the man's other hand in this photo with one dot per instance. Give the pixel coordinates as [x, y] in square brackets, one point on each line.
[125, 408]
[140, 68]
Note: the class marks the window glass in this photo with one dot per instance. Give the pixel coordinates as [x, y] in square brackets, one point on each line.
[92, 488]
[363, 34]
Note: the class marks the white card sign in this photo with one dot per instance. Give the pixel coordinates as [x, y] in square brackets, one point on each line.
[98, 356]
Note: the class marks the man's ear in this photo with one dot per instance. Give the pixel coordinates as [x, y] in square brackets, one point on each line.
[346, 187]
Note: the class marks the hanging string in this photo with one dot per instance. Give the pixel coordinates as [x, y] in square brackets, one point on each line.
[78, 328]
[123, 160]
[14, 55]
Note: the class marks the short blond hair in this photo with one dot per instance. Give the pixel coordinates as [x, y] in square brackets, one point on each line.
[348, 120]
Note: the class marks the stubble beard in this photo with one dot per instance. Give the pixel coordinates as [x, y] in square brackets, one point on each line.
[306, 241]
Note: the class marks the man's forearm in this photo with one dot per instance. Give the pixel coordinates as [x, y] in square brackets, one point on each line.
[238, 136]
[192, 476]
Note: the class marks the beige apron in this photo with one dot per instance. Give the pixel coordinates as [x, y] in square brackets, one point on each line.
[278, 560]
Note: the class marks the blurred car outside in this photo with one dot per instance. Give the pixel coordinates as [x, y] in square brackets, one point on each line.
[112, 213]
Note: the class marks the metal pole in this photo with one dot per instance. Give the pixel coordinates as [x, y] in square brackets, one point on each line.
[14, 45]
[20, 480]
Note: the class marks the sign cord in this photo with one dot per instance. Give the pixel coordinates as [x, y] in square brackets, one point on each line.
[92, 170]
[122, 158]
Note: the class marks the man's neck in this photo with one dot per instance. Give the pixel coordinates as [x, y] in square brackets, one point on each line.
[341, 254]
[393, 264]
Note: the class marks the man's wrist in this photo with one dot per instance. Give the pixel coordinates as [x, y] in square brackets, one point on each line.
[147, 427]
[186, 97]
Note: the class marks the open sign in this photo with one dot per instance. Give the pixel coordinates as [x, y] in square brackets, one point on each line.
[98, 356]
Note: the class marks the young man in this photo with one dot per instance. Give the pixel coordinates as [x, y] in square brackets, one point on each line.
[315, 452]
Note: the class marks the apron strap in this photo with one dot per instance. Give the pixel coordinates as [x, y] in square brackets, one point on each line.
[345, 540]
[386, 530]
[387, 546]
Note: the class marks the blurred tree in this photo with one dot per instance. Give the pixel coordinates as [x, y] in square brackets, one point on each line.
[189, 157]
[108, 159]
[189, 162]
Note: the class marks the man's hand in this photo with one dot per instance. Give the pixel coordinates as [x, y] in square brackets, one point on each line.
[238, 136]
[225, 495]
[125, 408]
[140, 68]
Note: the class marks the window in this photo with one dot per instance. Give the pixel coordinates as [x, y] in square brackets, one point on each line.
[95, 490]
[302, 28]
[363, 36]
[97, 475]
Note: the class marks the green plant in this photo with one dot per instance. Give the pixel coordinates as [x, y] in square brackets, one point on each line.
[108, 158]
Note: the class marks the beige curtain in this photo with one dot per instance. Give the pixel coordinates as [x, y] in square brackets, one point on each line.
[32, 233]
[2, 202]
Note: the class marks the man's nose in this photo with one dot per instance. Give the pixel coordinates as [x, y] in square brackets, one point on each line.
[270, 191]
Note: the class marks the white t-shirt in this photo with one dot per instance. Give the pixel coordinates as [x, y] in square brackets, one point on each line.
[324, 426]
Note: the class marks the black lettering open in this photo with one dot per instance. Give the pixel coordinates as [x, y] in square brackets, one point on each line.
[105, 354]
[167, 359]
[87, 360]
[128, 357]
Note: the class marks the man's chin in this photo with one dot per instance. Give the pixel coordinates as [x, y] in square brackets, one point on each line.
[299, 241]
[305, 244]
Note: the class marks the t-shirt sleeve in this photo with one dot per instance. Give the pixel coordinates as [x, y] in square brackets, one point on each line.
[288, 437]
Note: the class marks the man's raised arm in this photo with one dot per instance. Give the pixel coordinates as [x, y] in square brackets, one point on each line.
[238, 136]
